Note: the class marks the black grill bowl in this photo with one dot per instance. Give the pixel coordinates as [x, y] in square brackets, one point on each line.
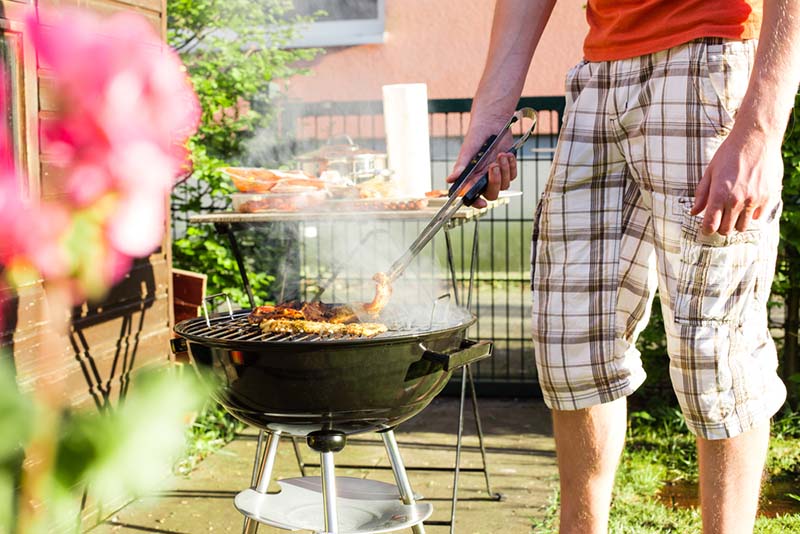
[350, 386]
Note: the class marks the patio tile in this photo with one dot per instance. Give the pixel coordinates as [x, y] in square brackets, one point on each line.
[519, 452]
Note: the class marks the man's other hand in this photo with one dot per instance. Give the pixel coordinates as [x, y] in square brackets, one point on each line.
[742, 180]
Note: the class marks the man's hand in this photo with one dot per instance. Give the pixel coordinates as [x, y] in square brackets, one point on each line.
[745, 174]
[502, 168]
[742, 180]
[517, 26]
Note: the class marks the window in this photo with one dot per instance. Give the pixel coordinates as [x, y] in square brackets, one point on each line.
[10, 54]
[345, 23]
[20, 116]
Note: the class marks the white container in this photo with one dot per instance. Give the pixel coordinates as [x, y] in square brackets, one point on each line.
[405, 115]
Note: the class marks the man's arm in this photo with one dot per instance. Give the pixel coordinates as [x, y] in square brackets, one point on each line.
[516, 29]
[744, 175]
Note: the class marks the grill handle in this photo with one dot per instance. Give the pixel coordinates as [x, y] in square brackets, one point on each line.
[178, 345]
[469, 352]
[211, 298]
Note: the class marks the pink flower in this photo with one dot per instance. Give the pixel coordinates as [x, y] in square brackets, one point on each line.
[11, 210]
[125, 113]
[19, 225]
[118, 85]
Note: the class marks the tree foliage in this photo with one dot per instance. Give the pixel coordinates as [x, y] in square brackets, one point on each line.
[235, 55]
[790, 222]
[787, 276]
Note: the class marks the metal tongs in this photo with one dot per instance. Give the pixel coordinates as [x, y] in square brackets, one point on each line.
[461, 192]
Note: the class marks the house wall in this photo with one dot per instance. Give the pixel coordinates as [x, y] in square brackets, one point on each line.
[107, 341]
[130, 328]
[442, 43]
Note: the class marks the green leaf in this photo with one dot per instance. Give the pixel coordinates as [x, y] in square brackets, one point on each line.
[16, 415]
[127, 451]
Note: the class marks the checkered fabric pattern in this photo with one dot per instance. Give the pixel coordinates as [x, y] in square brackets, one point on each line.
[613, 225]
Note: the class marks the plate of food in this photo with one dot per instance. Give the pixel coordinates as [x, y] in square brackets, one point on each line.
[260, 202]
[376, 204]
[258, 180]
[438, 197]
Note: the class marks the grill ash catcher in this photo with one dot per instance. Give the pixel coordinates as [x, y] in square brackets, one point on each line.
[324, 389]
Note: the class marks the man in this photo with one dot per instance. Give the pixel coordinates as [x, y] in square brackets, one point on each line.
[667, 174]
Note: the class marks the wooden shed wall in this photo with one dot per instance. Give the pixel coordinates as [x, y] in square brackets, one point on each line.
[131, 327]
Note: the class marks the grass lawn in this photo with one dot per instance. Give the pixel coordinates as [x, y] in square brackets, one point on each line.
[660, 455]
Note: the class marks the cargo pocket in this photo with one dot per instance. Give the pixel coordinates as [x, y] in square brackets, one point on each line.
[535, 237]
[718, 275]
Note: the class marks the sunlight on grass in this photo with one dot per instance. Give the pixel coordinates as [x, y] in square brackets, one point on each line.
[659, 451]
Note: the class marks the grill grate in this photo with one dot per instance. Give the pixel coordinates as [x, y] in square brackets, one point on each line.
[224, 328]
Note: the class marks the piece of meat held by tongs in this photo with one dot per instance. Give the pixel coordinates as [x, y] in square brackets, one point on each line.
[383, 292]
[463, 192]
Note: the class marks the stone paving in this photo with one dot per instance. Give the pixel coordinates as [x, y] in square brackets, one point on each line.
[521, 462]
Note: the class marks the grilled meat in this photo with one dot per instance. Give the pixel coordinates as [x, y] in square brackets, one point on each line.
[365, 329]
[286, 326]
[324, 320]
[383, 292]
[309, 311]
[323, 329]
[314, 311]
[343, 315]
[274, 312]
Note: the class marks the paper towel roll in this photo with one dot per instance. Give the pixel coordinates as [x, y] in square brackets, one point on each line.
[405, 115]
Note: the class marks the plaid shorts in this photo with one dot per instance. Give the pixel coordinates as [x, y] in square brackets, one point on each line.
[613, 225]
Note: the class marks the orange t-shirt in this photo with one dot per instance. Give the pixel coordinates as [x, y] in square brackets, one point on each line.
[621, 29]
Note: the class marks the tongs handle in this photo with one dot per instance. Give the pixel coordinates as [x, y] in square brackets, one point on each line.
[455, 194]
[471, 165]
[481, 184]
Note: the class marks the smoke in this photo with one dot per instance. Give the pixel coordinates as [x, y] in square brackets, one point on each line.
[335, 255]
[333, 259]
[330, 255]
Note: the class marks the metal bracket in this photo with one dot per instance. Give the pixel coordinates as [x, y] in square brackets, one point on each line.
[434, 315]
[211, 298]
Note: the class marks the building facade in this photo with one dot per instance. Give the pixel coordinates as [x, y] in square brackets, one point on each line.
[442, 43]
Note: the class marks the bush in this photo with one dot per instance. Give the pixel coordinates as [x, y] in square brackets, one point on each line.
[787, 276]
[234, 56]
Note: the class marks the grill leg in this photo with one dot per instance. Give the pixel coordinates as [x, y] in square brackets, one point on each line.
[259, 444]
[326, 443]
[299, 457]
[400, 475]
[329, 493]
[264, 473]
[451, 264]
[477, 415]
[268, 462]
[457, 469]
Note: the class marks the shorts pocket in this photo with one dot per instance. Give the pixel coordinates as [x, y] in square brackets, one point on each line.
[574, 83]
[718, 275]
[535, 238]
[723, 73]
